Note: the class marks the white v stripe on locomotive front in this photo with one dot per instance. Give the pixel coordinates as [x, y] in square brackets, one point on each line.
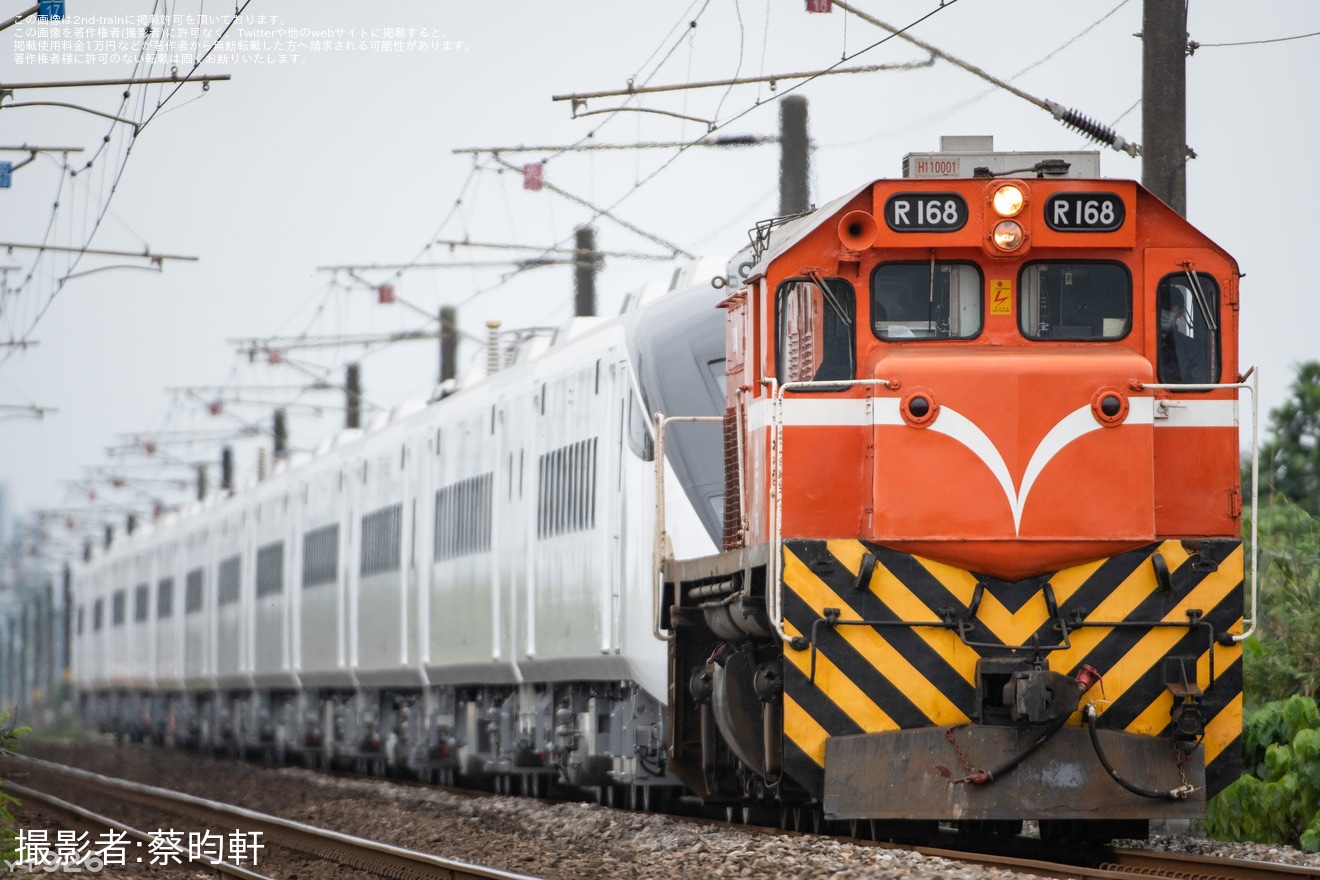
[1076, 424]
[953, 424]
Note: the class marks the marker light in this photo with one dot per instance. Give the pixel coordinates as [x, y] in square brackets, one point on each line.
[1007, 235]
[1008, 201]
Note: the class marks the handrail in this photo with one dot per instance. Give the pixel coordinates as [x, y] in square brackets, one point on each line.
[1253, 386]
[773, 595]
[661, 548]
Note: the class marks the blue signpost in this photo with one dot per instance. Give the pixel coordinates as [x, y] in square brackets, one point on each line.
[50, 9]
[6, 172]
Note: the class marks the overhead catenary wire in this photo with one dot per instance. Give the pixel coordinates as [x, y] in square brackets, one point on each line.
[602, 212]
[189, 76]
[945, 112]
[581, 97]
[1193, 45]
[1068, 116]
[944, 5]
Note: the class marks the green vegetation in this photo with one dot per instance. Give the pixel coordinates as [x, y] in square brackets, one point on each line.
[1283, 658]
[1290, 461]
[8, 833]
[1277, 800]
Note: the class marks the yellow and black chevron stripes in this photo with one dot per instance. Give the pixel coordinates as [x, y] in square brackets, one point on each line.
[907, 668]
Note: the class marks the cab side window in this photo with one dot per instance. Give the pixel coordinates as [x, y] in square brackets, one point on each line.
[814, 331]
[1187, 307]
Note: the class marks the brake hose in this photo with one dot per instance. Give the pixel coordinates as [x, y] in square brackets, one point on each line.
[1175, 794]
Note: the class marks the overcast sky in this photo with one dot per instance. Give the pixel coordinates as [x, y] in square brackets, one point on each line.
[338, 150]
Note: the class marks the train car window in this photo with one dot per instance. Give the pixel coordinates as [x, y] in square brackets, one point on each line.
[82, 609]
[165, 599]
[141, 602]
[98, 614]
[192, 592]
[321, 556]
[463, 517]
[1188, 306]
[228, 581]
[270, 569]
[381, 540]
[927, 300]
[814, 329]
[1080, 302]
[119, 608]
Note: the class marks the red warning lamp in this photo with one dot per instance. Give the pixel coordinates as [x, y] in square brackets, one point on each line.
[149, 447]
[215, 407]
[273, 356]
[386, 294]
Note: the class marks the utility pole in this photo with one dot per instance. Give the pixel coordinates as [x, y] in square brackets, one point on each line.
[584, 273]
[794, 156]
[66, 646]
[226, 470]
[1164, 101]
[448, 343]
[281, 434]
[353, 397]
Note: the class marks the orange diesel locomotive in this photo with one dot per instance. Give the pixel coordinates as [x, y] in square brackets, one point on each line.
[982, 535]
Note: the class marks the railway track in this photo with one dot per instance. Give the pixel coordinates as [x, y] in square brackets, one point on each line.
[386, 860]
[1127, 863]
[268, 833]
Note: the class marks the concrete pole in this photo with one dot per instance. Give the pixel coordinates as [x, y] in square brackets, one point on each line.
[584, 272]
[794, 156]
[1164, 101]
[353, 397]
[448, 343]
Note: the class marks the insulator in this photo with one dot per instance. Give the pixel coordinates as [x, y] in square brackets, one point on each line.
[1088, 127]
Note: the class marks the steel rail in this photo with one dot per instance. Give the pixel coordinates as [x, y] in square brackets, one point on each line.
[1149, 863]
[221, 867]
[357, 852]
[1035, 856]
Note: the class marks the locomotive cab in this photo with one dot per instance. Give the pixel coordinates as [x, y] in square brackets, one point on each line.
[982, 512]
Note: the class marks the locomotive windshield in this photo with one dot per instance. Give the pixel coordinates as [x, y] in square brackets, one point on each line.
[1076, 301]
[928, 300]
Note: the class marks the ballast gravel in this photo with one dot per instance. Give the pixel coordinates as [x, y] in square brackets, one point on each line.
[555, 841]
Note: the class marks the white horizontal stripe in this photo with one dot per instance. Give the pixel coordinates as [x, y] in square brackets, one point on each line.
[1175, 413]
[820, 412]
[823, 412]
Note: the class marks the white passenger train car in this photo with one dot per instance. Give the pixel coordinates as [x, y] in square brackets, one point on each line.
[463, 587]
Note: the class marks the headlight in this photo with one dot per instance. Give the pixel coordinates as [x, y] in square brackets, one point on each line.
[1007, 235]
[1008, 201]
